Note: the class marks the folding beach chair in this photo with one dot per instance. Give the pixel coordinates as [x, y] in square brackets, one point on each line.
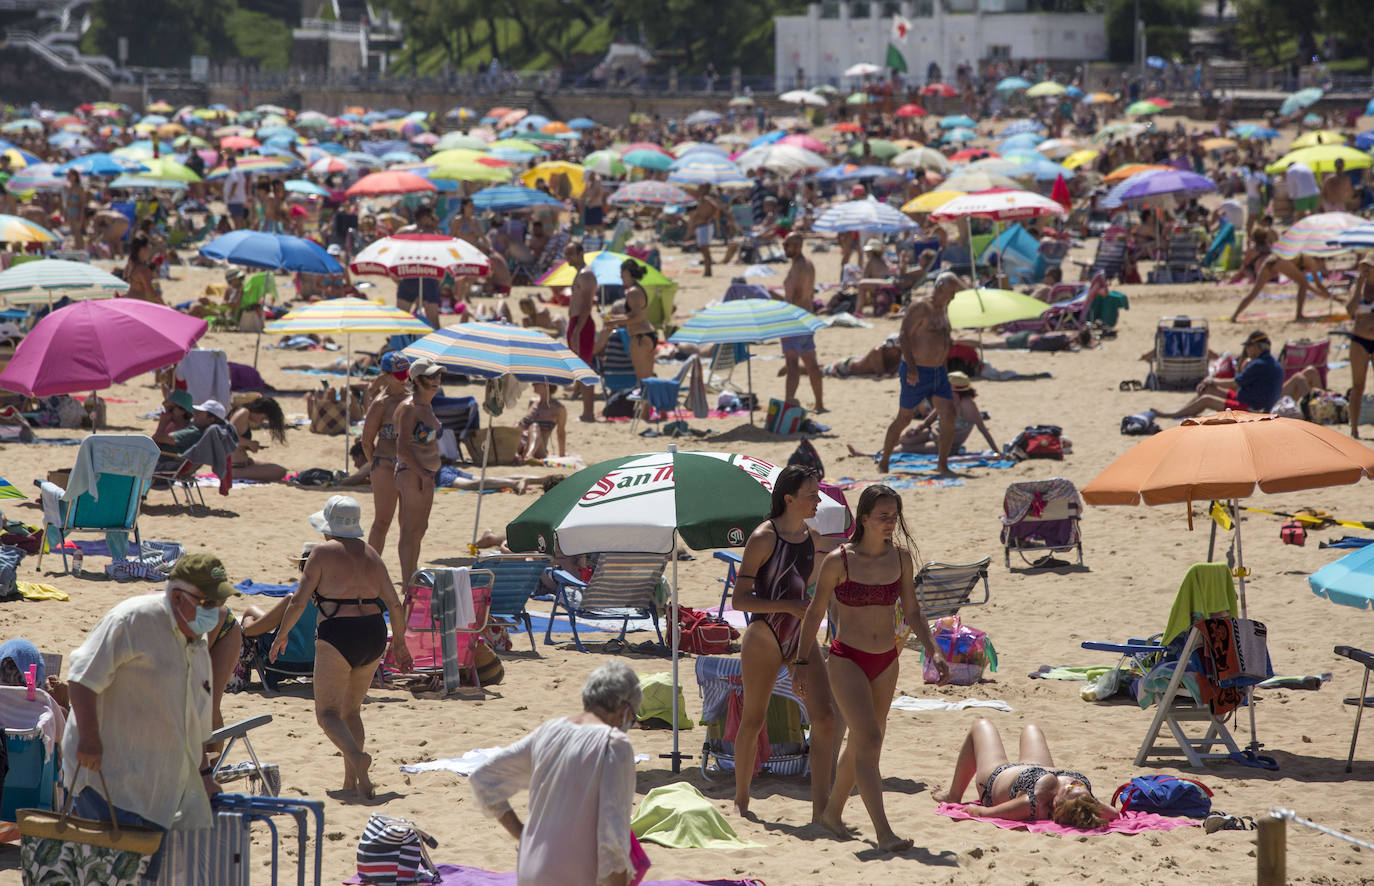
[297, 661]
[461, 419]
[176, 472]
[515, 578]
[732, 563]
[1298, 354]
[108, 483]
[722, 369]
[617, 370]
[1041, 515]
[262, 778]
[942, 589]
[1110, 259]
[622, 586]
[1181, 263]
[437, 642]
[664, 394]
[1180, 359]
[32, 725]
[721, 685]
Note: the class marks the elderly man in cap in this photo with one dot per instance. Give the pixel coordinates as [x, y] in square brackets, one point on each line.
[141, 705]
[350, 587]
[925, 339]
[1258, 384]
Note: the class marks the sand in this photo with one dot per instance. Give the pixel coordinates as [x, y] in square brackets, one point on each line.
[1135, 558]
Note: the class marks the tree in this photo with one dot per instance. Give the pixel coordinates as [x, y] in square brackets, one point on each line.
[161, 33]
[1166, 27]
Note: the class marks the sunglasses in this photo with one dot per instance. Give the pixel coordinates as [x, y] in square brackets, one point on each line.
[199, 601]
[428, 380]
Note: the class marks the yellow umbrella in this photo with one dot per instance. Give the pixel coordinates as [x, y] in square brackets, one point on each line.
[1322, 158]
[1046, 89]
[546, 170]
[450, 156]
[1099, 98]
[170, 130]
[159, 107]
[930, 201]
[471, 172]
[1317, 137]
[1078, 158]
[1217, 144]
[16, 159]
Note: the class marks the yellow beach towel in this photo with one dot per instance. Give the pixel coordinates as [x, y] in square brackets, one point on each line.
[33, 590]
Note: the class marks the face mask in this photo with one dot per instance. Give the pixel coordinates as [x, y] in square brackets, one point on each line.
[204, 620]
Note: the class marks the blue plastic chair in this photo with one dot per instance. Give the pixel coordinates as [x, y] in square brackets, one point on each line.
[123, 466]
[297, 660]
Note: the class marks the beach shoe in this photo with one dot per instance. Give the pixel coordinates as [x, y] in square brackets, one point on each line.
[1131, 384]
[1220, 821]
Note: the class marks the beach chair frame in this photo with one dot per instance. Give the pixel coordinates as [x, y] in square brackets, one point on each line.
[1110, 259]
[1197, 750]
[718, 677]
[942, 589]
[432, 620]
[120, 493]
[1168, 371]
[621, 586]
[1058, 507]
[515, 578]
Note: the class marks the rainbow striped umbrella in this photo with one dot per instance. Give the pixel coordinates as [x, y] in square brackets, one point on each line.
[488, 350]
[14, 229]
[1314, 235]
[747, 320]
[650, 193]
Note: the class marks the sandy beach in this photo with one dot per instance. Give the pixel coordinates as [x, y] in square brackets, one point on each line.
[1135, 559]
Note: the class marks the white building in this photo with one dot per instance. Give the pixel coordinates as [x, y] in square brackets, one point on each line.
[838, 33]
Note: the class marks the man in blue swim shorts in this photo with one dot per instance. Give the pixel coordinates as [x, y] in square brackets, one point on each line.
[925, 340]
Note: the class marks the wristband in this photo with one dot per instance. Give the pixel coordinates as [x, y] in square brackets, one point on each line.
[207, 770]
[800, 661]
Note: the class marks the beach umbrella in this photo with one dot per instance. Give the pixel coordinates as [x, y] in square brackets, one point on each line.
[862, 69]
[908, 111]
[973, 181]
[877, 147]
[1037, 165]
[957, 121]
[650, 193]
[804, 97]
[548, 169]
[768, 138]
[1113, 199]
[91, 345]
[783, 159]
[1012, 84]
[1120, 130]
[520, 145]
[1078, 158]
[1018, 127]
[144, 183]
[1142, 108]
[682, 148]
[36, 177]
[168, 169]
[843, 127]
[1317, 235]
[1058, 148]
[459, 140]
[36, 281]
[700, 118]
[14, 229]
[605, 266]
[391, 157]
[796, 139]
[1126, 170]
[922, 158]
[982, 308]
[703, 168]
[654, 160]
[943, 90]
[306, 188]
[8, 490]
[1046, 89]
[1359, 237]
[958, 136]
[276, 252]
[102, 164]
[504, 198]
[24, 125]
[1348, 581]
[329, 166]
[1317, 137]
[998, 204]
[581, 123]
[842, 172]
[1218, 144]
[471, 172]
[1254, 130]
[1073, 92]
[1100, 98]
[431, 256]
[1025, 141]
[1300, 99]
[604, 163]
[866, 215]
[239, 142]
[1322, 159]
[930, 201]
[645, 503]
[389, 182]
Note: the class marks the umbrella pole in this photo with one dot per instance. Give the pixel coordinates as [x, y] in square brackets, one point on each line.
[347, 392]
[1255, 744]
[677, 757]
[749, 370]
[972, 270]
[481, 485]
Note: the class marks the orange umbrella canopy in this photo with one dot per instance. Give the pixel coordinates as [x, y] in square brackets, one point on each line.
[1226, 455]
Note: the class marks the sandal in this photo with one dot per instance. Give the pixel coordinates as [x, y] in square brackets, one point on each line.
[1131, 384]
[1220, 821]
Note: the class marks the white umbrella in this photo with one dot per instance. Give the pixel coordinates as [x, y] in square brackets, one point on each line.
[922, 158]
[803, 97]
[35, 282]
[999, 204]
[782, 159]
[862, 69]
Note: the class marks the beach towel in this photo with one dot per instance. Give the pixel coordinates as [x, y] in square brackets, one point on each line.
[923, 463]
[907, 703]
[470, 762]
[462, 875]
[34, 590]
[205, 373]
[1128, 823]
[657, 703]
[266, 589]
[849, 483]
[1068, 672]
[679, 817]
[1207, 588]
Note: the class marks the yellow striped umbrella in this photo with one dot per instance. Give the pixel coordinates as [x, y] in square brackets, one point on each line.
[930, 201]
[14, 229]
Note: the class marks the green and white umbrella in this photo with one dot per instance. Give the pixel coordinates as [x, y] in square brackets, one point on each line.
[643, 503]
[37, 282]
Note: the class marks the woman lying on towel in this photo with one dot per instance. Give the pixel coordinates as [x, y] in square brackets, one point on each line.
[1025, 791]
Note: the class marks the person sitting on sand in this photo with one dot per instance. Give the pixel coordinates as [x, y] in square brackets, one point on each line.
[545, 418]
[1029, 790]
[881, 361]
[350, 586]
[580, 773]
[536, 316]
[1304, 270]
[1258, 384]
[264, 412]
[922, 437]
[176, 416]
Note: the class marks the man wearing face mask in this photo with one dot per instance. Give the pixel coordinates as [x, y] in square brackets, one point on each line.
[141, 701]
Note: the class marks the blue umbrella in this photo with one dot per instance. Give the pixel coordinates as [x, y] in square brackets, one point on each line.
[533, 121]
[511, 155]
[1300, 99]
[846, 172]
[581, 123]
[1025, 141]
[863, 215]
[378, 148]
[487, 350]
[1012, 84]
[1365, 140]
[958, 136]
[135, 183]
[768, 138]
[1073, 92]
[280, 252]
[507, 197]
[400, 157]
[301, 186]
[1041, 167]
[266, 132]
[1252, 130]
[1348, 581]
[705, 168]
[699, 118]
[102, 164]
[706, 148]
[1021, 127]
[1169, 181]
[394, 113]
[332, 148]
[954, 121]
[1358, 237]
[1156, 62]
[747, 320]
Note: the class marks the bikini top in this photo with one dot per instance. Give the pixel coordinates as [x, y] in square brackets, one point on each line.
[1026, 779]
[336, 602]
[853, 593]
[387, 431]
[424, 433]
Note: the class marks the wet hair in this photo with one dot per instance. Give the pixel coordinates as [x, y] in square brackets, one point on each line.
[868, 500]
[1080, 812]
[552, 480]
[634, 269]
[276, 421]
[789, 482]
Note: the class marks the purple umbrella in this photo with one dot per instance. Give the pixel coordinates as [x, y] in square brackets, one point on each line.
[92, 345]
[1189, 184]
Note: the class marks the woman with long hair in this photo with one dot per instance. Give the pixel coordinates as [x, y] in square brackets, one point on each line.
[138, 272]
[417, 460]
[263, 412]
[643, 339]
[773, 578]
[864, 579]
[1360, 308]
[379, 444]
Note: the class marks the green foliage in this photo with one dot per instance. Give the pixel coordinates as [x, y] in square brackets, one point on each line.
[1279, 32]
[1166, 27]
[260, 37]
[161, 33]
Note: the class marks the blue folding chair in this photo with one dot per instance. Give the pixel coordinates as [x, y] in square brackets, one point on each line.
[515, 578]
[105, 491]
[296, 661]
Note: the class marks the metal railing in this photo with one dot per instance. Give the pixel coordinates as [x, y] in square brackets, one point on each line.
[75, 64]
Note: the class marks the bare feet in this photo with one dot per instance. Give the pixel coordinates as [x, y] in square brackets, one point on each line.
[882, 465]
[894, 843]
[856, 453]
[1354, 432]
[363, 785]
[742, 809]
[520, 486]
[587, 418]
[835, 826]
[940, 795]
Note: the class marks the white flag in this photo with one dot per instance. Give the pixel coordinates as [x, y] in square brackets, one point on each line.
[900, 28]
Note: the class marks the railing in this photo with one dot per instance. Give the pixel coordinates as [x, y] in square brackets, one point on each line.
[76, 65]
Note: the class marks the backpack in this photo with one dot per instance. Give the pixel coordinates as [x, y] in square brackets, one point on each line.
[392, 850]
[1040, 441]
[806, 455]
[783, 418]
[1165, 795]
[703, 633]
[1139, 424]
[315, 477]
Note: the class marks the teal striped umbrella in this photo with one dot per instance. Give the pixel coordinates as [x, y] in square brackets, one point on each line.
[488, 350]
[36, 281]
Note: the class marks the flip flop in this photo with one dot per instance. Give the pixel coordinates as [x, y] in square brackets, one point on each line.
[1258, 761]
[1220, 821]
[613, 646]
[1131, 385]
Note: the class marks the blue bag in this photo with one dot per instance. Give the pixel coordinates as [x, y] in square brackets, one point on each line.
[1165, 795]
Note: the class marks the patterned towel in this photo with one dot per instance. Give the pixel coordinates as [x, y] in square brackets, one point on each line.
[1128, 823]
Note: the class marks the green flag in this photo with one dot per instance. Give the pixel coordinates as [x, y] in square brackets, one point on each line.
[894, 59]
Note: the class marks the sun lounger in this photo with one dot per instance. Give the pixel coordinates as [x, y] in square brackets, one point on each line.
[622, 586]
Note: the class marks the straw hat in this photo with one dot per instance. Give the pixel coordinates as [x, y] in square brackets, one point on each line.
[873, 245]
[960, 381]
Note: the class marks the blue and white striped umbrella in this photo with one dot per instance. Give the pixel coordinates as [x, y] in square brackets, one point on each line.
[488, 350]
[958, 136]
[103, 165]
[863, 215]
[36, 281]
[747, 320]
[1359, 237]
[851, 172]
[505, 198]
[700, 167]
[1017, 127]
[698, 118]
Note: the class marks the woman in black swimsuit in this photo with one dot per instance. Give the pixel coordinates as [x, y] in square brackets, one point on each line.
[417, 460]
[1024, 791]
[643, 339]
[379, 444]
[1360, 309]
[773, 577]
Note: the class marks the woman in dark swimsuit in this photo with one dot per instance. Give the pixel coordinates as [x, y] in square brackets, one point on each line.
[1360, 309]
[865, 579]
[773, 578]
[546, 419]
[138, 273]
[379, 444]
[1025, 791]
[417, 460]
[264, 412]
[643, 339]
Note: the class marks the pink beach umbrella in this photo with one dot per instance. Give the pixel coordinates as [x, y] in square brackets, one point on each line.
[92, 345]
[807, 142]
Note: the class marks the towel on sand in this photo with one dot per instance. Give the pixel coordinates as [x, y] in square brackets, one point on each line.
[468, 763]
[1128, 823]
[34, 590]
[462, 875]
[679, 817]
[248, 586]
[907, 703]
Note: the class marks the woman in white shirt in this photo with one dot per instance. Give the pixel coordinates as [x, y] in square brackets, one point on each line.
[580, 772]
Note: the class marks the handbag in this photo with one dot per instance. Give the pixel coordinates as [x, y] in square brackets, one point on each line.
[62, 848]
[703, 633]
[392, 850]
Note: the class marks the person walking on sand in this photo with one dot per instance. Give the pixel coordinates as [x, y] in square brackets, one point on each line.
[417, 460]
[925, 340]
[702, 220]
[378, 440]
[350, 587]
[581, 325]
[799, 289]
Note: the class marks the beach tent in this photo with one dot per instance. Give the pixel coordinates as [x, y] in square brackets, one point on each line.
[1016, 251]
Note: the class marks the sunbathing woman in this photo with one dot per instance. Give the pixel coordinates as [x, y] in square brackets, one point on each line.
[417, 460]
[773, 578]
[881, 361]
[1360, 307]
[864, 579]
[379, 444]
[1270, 266]
[1029, 790]
[546, 419]
[263, 412]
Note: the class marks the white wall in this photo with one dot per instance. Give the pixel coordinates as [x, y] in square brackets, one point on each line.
[823, 48]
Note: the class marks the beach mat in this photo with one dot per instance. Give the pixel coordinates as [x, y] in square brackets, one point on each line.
[920, 463]
[266, 589]
[462, 875]
[899, 483]
[1128, 823]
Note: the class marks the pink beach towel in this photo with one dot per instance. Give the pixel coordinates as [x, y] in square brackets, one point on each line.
[1128, 823]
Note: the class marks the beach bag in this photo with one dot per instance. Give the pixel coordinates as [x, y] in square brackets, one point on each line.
[1166, 795]
[703, 633]
[967, 650]
[330, 413]
[61, 848]
[315, 477]
[783, 418]
[806, 455]
[1293, 533]
[619, 405]
[392, 850]
[1040, 441]
[1325, 408]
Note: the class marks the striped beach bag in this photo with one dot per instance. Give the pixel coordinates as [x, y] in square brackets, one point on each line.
[392, 850]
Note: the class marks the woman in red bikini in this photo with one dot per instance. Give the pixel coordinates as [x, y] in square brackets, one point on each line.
[864, 579]
[775, 572]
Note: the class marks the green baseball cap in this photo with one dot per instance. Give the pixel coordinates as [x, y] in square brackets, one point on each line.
[206, 572]
[182, 399]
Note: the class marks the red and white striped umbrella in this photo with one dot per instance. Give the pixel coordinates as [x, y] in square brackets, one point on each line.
[421, 255]
[1314, 235]
[327, 165]
[998, 204]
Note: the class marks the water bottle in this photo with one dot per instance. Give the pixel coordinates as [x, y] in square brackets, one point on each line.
[77, 558]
